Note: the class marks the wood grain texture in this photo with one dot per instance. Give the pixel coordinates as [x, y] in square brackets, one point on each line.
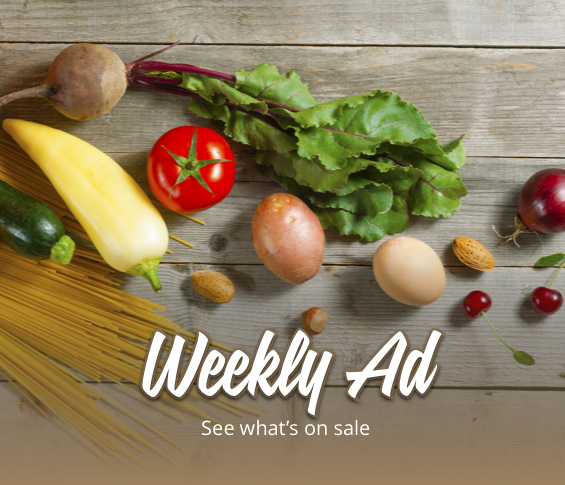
[509, 102]
[362, 318]
[359, 22]
[443, 437]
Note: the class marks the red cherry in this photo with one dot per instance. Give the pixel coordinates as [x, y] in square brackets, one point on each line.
[475, 303]
[546, 301]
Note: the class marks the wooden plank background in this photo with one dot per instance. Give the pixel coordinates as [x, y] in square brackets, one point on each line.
[318, 22]
[506, 436]
[492, 70]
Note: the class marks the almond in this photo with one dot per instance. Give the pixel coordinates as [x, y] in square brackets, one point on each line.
[213, 285]
[473, 254]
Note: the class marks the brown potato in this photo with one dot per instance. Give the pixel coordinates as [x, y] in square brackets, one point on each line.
[288, 238]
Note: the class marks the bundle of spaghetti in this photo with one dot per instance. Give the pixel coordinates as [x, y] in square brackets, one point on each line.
[67, 397]
[55, 318]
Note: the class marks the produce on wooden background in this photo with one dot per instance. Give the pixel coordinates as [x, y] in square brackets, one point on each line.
[478, 303]
[213, 285]
[60, 322]
[190, 169]
[473, 254]
[541, 205]
[288, 238]
[363, 162]
[32, 228]
[314, 320]
[409, 271]
[547, 301]
[120, 220]
[84, 82]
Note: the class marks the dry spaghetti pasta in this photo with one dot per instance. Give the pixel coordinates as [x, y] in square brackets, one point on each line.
[178, 239]
[76, 316]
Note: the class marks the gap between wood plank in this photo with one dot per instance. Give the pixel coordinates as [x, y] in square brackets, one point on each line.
[173, 263]
[371, 385]
[467, 157]
[407, 46]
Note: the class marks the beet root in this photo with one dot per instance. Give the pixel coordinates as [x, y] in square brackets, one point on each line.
[84, 82]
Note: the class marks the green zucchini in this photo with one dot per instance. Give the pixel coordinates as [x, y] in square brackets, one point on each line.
[32, 228]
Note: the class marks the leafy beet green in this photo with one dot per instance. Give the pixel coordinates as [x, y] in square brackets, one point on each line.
[363, 163]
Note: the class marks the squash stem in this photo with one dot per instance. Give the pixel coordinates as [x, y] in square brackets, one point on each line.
[62, 252]
[148, 269]
[153, 278]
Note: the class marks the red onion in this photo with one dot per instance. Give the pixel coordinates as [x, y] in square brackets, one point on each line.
[542, 201]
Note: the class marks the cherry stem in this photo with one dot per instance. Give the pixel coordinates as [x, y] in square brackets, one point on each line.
[496, 333]
[556, 274]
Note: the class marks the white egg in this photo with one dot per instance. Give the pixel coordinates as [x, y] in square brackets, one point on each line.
[409, 271]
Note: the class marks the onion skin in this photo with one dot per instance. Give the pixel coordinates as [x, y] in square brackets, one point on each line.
[541, 206]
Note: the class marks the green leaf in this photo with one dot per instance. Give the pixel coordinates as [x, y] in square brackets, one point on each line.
[550, 260]
[266, 83]
[218, 92]
[346, 223]
[372, 199]
[400, 179]
[280, 162]
[319, 115]
[452, 157]
[310, 172]
[395, 220]
[245, 127]
[438, 192]
[362, 129]
[523, 358]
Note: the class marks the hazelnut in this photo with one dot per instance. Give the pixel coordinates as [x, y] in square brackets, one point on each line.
[314, 320]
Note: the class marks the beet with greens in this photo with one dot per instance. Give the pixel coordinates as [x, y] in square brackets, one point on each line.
[362, 163]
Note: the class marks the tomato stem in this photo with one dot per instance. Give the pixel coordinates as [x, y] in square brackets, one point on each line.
[191, 165]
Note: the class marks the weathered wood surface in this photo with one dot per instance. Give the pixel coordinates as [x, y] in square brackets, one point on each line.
[505, 89]
[509, 102]
[362, 318]
[451, 436]
[386, 22]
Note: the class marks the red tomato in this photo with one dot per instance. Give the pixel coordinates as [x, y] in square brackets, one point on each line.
[186, 179]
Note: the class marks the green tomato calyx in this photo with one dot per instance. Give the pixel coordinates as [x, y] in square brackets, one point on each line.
[191, 165]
